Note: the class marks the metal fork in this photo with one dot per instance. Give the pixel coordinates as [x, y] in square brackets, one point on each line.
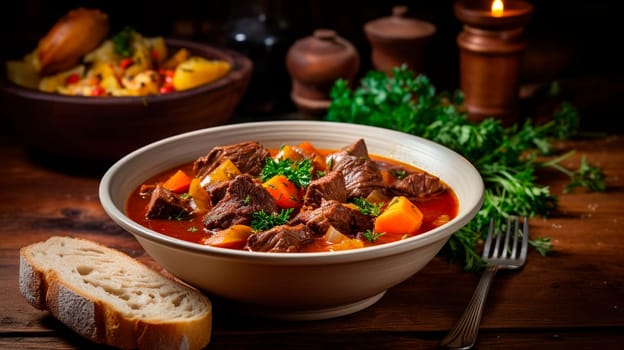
[464, 334]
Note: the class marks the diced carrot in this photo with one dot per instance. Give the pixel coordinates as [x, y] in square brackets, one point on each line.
[284, 191]
[401, 217]
[234, 236]
[307, 148]
[200, 196]
[178, 182]
[388, 178]
[309, 151]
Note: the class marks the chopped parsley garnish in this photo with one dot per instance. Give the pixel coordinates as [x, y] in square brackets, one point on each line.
[180, 216]
[367, 207]
[399, 173]
[299, 172]
[262, 221]
[371, 235]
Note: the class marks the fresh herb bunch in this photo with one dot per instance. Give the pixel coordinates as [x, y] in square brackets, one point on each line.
[506, 157]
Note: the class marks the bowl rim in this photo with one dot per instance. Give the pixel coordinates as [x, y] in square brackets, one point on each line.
[242, 66]
[299, 258]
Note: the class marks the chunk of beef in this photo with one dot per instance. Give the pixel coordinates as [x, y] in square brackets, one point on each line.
[418, 185]
[357, 149]
[330, 186]
[165, 204]
[242, 198]
[361, 175]
[248, 156]
[217, 190]
[283, 238]
[343, 218]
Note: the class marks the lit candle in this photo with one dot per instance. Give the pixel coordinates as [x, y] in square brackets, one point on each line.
[491, 46]
[497, 8]
[494, 14]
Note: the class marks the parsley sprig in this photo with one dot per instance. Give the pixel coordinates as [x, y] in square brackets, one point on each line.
[506, 157]
[372, 236]
[299, 172]
[367, 207]
[262, 221]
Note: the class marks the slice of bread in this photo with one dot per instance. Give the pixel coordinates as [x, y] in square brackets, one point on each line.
[109, 297]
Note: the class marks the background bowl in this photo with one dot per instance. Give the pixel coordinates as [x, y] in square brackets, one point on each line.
[293, 285]
[106, 128]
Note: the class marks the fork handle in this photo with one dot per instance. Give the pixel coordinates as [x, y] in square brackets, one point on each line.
[464, 334]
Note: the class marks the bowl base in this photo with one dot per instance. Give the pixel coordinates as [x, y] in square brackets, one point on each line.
[307, 314]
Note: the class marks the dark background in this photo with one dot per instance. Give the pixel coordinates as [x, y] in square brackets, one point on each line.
[571, 42]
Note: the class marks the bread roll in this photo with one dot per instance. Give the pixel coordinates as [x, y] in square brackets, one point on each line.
[110, 298]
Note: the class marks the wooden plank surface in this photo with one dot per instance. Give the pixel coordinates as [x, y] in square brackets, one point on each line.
[573, 298]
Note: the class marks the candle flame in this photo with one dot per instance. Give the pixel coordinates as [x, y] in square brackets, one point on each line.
[497, 8]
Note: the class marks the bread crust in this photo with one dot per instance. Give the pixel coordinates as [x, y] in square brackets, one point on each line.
[95, 314]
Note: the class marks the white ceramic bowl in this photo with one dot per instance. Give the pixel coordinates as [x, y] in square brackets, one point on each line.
[293, 285]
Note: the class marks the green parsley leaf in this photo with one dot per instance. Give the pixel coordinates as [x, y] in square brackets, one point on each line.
[262, 221]
[299, 172]
[372, 236]
[367, 207]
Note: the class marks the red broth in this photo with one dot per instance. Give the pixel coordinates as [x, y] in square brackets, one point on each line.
[444, 205]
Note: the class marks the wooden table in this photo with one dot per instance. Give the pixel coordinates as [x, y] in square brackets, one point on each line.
[571, 299]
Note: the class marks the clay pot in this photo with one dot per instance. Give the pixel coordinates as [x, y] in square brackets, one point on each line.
[397, 40]
[315, 63]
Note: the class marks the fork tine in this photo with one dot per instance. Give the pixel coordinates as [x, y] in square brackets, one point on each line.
[514, 248]
[525, 239]
[497, 244]
[505, 252]
[488, 240]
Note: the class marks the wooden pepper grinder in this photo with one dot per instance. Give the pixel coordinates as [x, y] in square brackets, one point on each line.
[315, 63]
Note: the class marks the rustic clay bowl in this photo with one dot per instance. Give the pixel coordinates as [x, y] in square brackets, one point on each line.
[301, 286]
[106, 128]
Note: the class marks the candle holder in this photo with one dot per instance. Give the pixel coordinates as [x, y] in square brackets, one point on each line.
[491, 48]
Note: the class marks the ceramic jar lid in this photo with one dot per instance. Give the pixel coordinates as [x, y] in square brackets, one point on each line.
[399, 27]
[324, 56]
[315, 63]
[398, 40]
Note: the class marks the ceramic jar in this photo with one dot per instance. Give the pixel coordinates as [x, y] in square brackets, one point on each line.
[397, 39]
[315, 63]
